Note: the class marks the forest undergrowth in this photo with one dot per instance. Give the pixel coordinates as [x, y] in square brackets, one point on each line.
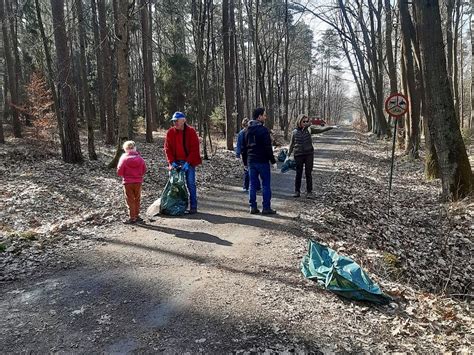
[419, 250]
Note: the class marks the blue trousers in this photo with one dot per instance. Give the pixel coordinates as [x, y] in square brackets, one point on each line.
[262, 170]
[247, 180]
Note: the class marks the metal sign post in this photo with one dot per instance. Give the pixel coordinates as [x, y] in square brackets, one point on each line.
[393, 158]
[396, 106]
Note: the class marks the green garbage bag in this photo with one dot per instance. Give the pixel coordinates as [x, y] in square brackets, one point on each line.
[174, 199]
[340, 274]
[282, 155]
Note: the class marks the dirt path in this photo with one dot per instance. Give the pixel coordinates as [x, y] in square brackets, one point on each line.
[219, 281]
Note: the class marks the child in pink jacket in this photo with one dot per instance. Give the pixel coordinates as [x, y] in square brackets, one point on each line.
[131, 167]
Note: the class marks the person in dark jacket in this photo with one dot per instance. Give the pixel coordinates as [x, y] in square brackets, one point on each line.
[257, 154]
[238, 153]
[301, 146]
[182, 152]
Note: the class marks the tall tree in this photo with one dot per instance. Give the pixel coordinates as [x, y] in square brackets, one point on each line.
[84, 83]
[121, 9]
[2, 133]
[286, 74]
[154, 100]
[392, 70]
[100, 65]
[12, 9]
[228, 47]
[147, 71]
[72, 144]
[471, 119]
[107, 73]
[52, 87]
[238, 93]
[12, 81]
[413, 116]
[456, 175]
[375, 90]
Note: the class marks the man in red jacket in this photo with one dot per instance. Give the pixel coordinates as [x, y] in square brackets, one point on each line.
[182, 152]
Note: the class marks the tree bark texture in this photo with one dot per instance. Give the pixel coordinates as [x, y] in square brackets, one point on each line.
[100, 66]
[11, 72]
[456, 174]
[413, 115]
[147, 71]
[107, 74]
[122, 51]
[72, 144]
[228, 72]
[84, 83]
[49, 65]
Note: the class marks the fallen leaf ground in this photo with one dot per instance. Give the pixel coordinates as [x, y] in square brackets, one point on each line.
[417, 248]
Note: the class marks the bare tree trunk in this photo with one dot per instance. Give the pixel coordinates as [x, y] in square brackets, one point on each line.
[471, 29]
[72, 144]
[49, 65]
[456, 175]
[154, 100]
[146, 71]
[375, 94]
[238, 92]
[457, 101]
[11, 72]
[260, 65]
[2, 134]
[286, 74]
[100, 66]
[19, 82]
[360, 90]
[227, 6]
[270, 107]
[413, 130]
[6, 106]
[245, 70]
[392, 70]
[122, 45]
[432, 169]
[85, 85]
[107, 70]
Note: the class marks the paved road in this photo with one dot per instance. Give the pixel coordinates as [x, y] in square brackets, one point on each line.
[221, 280]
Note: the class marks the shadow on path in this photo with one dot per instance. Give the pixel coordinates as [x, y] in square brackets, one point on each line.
[276, 275]
[198, 236]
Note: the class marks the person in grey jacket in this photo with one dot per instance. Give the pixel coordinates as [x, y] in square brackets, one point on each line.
[301, 146]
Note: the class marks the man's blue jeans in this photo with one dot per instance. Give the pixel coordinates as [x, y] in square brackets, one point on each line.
[262, 170]
[247, 180]
[191, 184]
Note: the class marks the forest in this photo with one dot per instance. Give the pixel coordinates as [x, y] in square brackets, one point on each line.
[81, 77]
[108, 66]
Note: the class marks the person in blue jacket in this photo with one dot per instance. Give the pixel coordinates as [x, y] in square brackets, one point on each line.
[238, 152]
[257, 154]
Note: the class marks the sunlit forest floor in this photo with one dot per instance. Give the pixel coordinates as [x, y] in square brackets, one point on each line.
[74, 279]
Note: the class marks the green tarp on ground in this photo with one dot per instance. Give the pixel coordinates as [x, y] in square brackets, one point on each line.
[340, 274]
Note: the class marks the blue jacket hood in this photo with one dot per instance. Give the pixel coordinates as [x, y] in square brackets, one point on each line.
[253, 123]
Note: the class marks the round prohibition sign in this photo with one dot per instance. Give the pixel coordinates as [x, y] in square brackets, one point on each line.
[396, 105]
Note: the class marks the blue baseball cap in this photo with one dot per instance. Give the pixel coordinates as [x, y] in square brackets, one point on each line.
[177, 115]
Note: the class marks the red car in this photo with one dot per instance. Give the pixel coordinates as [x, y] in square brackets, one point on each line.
[318, 122]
